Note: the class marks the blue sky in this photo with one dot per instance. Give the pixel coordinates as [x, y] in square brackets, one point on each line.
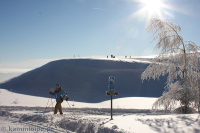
[33, 31]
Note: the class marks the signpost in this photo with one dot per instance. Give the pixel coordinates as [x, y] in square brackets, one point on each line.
[111, 90]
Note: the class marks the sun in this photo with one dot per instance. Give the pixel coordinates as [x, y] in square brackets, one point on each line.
[153, 7]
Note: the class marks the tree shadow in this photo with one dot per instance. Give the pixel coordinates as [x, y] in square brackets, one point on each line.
[177, 124]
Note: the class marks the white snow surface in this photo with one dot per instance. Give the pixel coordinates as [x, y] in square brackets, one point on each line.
[8, 98]
[23, 113]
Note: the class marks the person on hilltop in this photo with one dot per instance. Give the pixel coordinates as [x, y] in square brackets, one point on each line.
[60, 95]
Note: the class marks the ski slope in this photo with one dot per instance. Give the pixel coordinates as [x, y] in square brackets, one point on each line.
[24, 113]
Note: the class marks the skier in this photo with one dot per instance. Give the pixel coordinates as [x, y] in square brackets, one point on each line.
[60, 95]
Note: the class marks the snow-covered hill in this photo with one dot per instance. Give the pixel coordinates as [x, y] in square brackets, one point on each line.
[86, 80]
[29, 113]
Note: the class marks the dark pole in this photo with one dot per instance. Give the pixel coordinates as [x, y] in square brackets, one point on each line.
[111, 108]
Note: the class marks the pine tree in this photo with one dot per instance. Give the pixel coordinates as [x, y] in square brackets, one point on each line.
[179, 60]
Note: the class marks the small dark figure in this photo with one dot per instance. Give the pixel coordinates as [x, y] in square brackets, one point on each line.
[59, 94]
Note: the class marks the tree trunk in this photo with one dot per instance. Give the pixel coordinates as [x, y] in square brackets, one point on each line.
[199, 97]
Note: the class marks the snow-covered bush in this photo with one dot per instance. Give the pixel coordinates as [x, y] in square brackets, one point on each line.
[179, 60]
[183, 109]
[114, 127]
[16, 101]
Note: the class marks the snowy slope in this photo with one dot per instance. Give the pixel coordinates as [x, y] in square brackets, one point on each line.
[131, 113]
[86, 80]
[8, 98]
[27, 114]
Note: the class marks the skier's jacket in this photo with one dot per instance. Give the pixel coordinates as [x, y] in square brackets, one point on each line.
[59, 93]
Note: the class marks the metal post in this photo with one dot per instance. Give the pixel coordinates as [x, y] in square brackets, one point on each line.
[111, 108]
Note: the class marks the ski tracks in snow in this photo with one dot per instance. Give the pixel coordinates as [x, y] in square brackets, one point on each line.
[30, 121]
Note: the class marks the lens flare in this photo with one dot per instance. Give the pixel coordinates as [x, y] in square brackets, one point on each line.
[153, 9]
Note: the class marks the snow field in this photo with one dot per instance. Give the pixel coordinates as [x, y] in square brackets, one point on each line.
[130, 115]
[8, 98]
[55, 123]
[84, 123]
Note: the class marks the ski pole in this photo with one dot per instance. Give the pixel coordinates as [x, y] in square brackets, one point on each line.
[71, 108]
[51, 104]
[47, 103]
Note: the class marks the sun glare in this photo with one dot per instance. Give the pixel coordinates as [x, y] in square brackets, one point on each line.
[153, 8]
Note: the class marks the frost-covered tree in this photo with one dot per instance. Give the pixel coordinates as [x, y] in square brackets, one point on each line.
[179, 61]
